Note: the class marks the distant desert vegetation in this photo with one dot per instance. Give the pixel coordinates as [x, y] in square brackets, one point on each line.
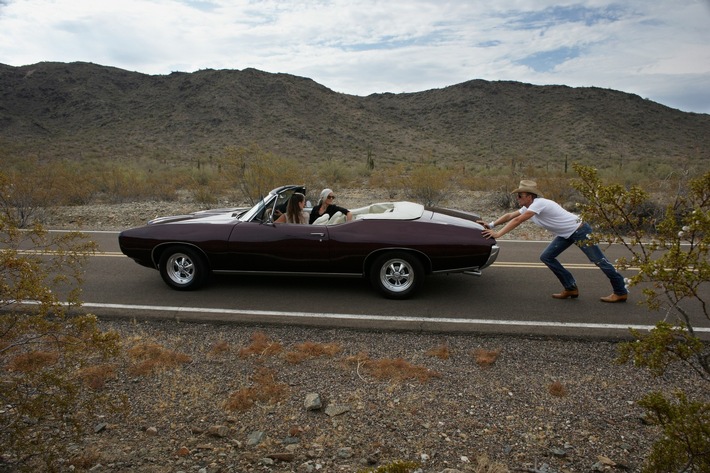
[84, 133]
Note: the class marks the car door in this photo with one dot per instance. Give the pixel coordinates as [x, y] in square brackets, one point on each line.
[279, 247]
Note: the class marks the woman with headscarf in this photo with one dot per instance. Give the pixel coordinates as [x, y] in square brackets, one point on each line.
[326, 206]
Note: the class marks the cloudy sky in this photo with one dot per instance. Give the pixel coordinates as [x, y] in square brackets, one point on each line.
[658, 49]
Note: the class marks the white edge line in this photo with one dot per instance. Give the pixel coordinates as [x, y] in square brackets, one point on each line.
[110, 232]
[382, 318]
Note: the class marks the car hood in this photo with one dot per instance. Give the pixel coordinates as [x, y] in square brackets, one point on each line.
[203, 216]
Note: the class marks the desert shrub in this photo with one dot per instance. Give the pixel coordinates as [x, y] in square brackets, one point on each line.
[391, 178]
[120, 184]
[47, 355]
[481, 178]
[557, 188]
[26, 195]
[255, 172]
[333, 173]
[163, 185]
[674, 261]
[686, 433]
[428, 184]
[504, 200]
[205, 195]
[73, 183]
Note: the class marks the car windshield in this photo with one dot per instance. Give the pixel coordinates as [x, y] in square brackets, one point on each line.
[264, 209]
[257, 210]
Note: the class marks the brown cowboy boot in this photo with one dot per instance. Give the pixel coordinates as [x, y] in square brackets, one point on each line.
[567, 293]
[615, 298]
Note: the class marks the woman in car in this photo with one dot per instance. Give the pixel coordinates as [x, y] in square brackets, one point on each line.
[294, 211]
[326, 206]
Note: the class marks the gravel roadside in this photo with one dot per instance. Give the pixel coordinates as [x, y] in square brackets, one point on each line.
[441, 400]
[541, 405]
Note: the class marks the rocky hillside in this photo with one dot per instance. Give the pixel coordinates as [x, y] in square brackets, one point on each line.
[74, 110]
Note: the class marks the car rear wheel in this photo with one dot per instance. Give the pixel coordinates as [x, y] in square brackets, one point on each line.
[183, 268]
[397, 275]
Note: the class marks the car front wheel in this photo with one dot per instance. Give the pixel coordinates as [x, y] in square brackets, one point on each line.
[183, 268]
[397, 275]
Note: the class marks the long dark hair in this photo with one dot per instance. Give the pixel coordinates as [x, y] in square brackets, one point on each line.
[293, 210]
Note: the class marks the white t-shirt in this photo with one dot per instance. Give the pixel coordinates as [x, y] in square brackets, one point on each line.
[552, 217]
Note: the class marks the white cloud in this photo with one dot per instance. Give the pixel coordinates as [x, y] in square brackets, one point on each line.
[647, 47]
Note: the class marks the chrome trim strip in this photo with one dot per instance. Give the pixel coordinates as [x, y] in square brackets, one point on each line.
[456, 270]
[287, 273]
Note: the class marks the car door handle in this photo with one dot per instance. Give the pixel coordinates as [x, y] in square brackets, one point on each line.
[318, 234]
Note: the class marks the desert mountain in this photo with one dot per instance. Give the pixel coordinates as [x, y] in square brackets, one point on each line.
[74, 110]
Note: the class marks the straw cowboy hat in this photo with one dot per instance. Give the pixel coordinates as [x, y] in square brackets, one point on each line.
[528, 186]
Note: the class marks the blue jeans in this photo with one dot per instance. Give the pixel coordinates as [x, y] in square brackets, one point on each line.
[593, 252]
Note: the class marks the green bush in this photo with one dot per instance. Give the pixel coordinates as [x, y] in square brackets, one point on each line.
[686, 433]
[673, 258]
[43, 348]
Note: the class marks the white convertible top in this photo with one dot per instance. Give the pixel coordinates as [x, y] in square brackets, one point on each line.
[389, 211]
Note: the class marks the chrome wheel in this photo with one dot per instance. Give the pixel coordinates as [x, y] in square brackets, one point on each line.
[183, 268]
[397, 275]
[180, 269]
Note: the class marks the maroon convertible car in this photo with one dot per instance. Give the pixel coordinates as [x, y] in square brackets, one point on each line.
[393, 244]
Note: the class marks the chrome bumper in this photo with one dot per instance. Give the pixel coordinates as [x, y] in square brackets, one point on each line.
[495, 249]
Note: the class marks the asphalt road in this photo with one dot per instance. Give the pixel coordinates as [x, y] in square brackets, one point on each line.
[512, 296]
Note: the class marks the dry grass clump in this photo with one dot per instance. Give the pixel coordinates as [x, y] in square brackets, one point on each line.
[95, 377]
[442, 352]
[220, 347]
[260, 345]
[265, 388]
[397, 466]
[32, 361]
[485, 358]
[396, 369]
[152, 357]
[308, 350]
[296, 431]
[86, 459]
[486, 465]
[557, 389]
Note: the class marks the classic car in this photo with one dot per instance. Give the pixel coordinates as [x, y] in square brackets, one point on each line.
[393, 244]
